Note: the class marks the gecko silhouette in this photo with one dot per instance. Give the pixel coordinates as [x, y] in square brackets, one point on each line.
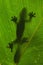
[20, 27]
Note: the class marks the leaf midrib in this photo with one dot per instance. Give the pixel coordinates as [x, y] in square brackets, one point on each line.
[26, 46]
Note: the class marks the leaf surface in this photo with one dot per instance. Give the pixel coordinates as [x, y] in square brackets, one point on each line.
[32, 52]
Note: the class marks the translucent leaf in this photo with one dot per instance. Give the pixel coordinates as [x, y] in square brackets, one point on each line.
[32, 51]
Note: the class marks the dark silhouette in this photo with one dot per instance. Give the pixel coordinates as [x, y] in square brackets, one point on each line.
[24, 40]
[21, 26]
[10, 46]
[19, 32]
[14, 19]
[17, 55]
[31, 15]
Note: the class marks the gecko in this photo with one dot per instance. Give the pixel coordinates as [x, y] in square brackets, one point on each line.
[20, 26]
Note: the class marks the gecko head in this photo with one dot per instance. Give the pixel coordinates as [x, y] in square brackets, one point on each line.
[23, 13]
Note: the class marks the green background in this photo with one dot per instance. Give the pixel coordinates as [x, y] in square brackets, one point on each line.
[32, 52]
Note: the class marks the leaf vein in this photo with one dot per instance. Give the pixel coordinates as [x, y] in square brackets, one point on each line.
[26, 46]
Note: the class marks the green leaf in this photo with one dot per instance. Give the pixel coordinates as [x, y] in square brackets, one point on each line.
[32, 52]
